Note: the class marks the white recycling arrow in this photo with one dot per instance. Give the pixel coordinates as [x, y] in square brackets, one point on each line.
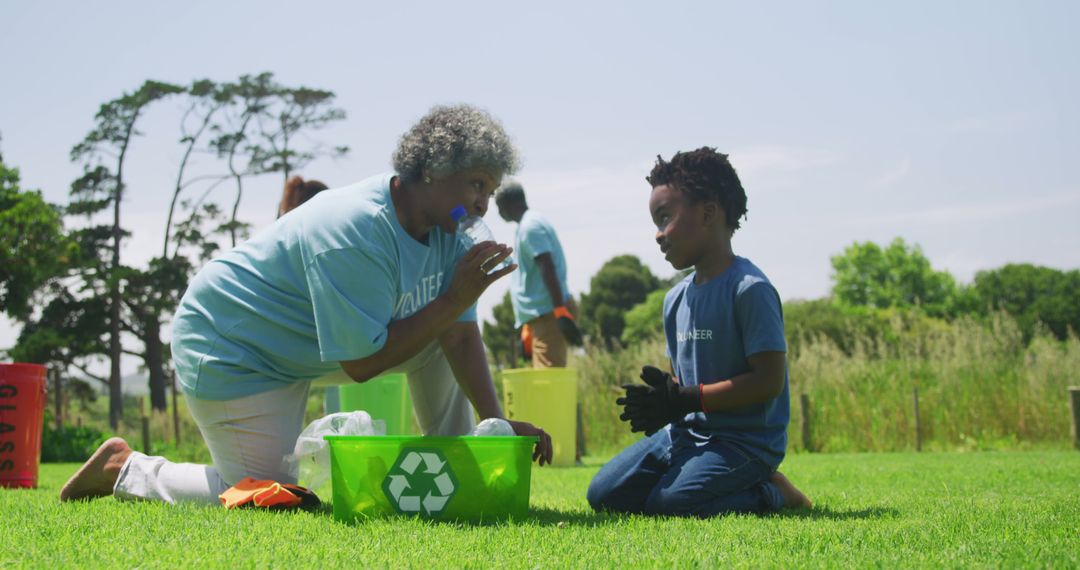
[445, 484]
[411, 461]
[398, 483]
[434, 464]
[410, 503]
[434, 504]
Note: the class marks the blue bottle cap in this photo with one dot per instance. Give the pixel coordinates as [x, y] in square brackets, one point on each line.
[458, 212]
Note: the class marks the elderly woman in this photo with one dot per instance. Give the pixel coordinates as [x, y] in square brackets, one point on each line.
[364, 279]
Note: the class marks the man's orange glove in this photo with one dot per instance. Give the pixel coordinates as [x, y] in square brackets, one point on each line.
[526, 341]
[267, 494]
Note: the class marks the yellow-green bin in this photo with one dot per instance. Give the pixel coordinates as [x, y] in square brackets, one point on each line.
[435, 477]
[546, 398]
[383, 398]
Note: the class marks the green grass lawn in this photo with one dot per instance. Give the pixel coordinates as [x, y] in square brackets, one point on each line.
[1008, 509]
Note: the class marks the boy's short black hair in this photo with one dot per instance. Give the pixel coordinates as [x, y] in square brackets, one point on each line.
[704, 175]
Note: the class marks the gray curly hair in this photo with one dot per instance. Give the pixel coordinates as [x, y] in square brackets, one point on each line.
[451, 138]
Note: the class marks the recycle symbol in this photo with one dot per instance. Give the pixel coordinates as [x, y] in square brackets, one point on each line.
[421, 482]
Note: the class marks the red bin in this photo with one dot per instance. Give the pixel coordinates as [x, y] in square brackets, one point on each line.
[22, 409]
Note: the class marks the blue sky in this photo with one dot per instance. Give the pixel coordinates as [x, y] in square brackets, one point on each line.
[953, 125]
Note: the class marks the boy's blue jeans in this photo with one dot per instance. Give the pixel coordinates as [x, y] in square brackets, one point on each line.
[674, 472]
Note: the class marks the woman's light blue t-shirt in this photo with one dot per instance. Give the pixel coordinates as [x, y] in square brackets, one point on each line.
[528, 293]
[711, 330]
[318, 286]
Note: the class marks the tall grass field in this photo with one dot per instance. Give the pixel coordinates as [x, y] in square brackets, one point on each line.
[980, 386]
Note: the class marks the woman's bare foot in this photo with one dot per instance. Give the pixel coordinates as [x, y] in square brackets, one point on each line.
[793, 498]
[98, 475]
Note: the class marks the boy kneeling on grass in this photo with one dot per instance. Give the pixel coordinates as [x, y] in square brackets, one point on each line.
[717, 431]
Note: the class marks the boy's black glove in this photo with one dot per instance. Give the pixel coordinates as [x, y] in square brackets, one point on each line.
[658, 402]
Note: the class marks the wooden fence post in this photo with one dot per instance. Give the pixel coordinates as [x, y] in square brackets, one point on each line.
[804, 404]
[58, 396]
[515, 338]
[175, 410]
[1074, 405]
[918, 426]
[145, 428]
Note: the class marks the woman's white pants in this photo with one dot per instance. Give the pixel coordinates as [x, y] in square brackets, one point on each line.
[250, 436]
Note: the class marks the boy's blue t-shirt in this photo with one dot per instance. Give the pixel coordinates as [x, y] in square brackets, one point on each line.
[528, 294]
[711, 329]
[318, 286]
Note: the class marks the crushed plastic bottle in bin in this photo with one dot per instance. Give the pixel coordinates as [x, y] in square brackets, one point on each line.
[493, 426]
[310, 459]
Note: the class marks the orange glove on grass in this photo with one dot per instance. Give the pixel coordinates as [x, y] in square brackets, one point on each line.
[267, 494]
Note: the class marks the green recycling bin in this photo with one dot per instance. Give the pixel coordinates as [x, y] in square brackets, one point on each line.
[435, 477]
[384, 398]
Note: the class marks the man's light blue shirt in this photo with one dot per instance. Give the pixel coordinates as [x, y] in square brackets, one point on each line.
[528, 294]
[318, 286]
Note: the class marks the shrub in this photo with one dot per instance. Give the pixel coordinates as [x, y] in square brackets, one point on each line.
[69, 444]
[645, 320]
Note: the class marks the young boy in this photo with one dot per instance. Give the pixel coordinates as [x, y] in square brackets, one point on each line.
[717, 430]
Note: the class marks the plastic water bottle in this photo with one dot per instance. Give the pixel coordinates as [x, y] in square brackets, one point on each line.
[472, 230]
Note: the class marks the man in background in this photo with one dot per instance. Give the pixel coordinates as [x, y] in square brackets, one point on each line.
[543, 307]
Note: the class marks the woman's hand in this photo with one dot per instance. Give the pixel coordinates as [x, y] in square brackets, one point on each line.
[543, 450]
[471, 276]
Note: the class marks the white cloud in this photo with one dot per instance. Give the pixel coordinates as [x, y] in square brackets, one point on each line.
[753, 161]
[970, 212]
[990, 124]
[895, 174]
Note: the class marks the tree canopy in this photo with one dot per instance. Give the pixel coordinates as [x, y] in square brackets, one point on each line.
[253, 126]
[620, 284]
[645, 320]
[33, 247]
[1033, 294]
[899, 275]
[500, 334]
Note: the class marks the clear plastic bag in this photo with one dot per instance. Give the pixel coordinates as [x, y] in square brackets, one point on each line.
[310, 459]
